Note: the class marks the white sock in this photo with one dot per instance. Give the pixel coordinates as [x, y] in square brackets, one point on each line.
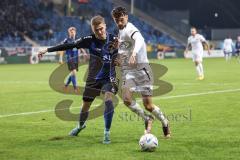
[198, 70]
[135, 107]
[201, 69]
[159, 115]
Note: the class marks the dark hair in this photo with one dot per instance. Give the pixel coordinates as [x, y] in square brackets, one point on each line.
[119, 11]
[193, 28]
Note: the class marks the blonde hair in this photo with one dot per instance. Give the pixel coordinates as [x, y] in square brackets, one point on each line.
[96, 20]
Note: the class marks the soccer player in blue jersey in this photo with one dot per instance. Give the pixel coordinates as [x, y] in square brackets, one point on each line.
[101, 72]
[72, 59]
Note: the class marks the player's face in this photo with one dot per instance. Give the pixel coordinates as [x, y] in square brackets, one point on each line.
[193, 31]
[121, 22]
[72, 32]
[100, 31]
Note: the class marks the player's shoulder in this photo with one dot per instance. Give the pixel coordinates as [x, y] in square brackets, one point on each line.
[131, 29]
[199, 35]
[131, 26]
[190, 37]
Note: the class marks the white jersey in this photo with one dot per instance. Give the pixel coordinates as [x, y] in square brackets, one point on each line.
[127, 44]
[196, 42]
[227, 45]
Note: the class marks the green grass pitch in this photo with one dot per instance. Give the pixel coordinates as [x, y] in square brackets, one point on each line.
[204, 117]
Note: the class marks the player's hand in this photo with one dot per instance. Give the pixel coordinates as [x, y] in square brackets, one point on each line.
[132, 59]
[41, 53]
[114, 44]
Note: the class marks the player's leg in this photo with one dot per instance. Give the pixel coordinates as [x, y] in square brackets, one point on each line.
[73, 68]
[69, 80]
[74, 80]
[82, 118]
[197, 59]
[135, 107]
[225, 56]
[91, 91]
[108, 116]
[155, 110]
[109, 89]
[199, 69]
[61, 53]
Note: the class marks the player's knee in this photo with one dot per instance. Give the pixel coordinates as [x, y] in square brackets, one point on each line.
[127, 102]
[108, 96]
[197, 63]
[74, 72]
[148, 106]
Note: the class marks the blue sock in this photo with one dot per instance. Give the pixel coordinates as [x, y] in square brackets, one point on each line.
[74, 82]
[108, 114]
[69, 80]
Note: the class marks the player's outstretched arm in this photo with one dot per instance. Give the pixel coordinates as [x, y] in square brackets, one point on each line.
[207, 46]
[61, 47]
[80, 43]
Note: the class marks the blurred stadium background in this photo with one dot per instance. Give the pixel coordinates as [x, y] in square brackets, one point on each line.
[28, 24]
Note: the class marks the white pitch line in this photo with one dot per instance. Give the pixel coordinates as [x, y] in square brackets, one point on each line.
[199, 94]
[167, 97]
[29, 113]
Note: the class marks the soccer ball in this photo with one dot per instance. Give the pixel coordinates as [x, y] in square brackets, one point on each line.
[148, 142]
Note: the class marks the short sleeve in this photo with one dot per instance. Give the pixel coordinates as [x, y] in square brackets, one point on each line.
[131, 30]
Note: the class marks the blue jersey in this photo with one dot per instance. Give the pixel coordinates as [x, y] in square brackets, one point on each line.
[101, 50]
[102, 56]
[237, 46]
[71, 54]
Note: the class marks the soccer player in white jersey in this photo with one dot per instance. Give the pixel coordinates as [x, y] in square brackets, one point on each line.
[196, 42]
[228, 48]
[136, 71]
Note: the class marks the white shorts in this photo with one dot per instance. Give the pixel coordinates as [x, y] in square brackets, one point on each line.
[197, 56]
[140, 81]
